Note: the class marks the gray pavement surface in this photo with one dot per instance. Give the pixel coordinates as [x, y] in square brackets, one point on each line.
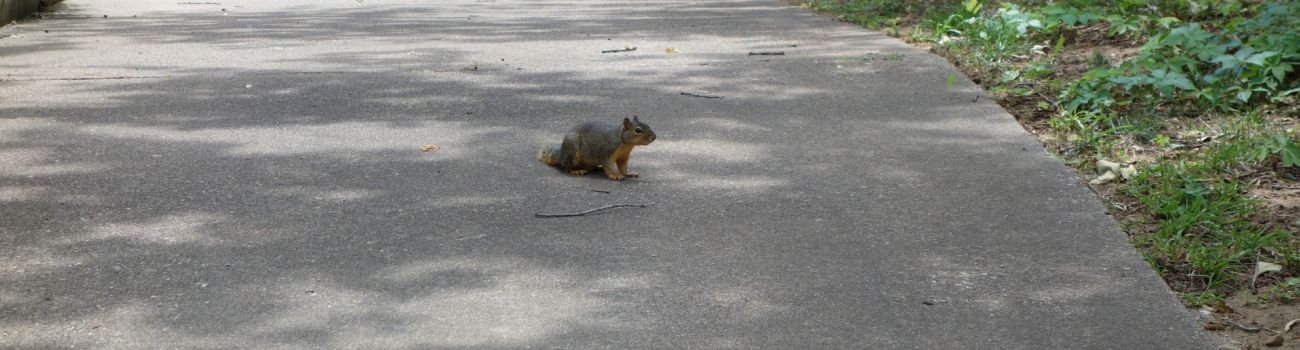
[248, 174]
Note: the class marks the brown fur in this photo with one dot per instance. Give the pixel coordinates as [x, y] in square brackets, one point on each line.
[599, 145]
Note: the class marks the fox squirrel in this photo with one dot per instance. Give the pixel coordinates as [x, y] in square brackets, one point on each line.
[598, 144]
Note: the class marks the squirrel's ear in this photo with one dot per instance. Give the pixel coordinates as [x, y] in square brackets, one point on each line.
[635, 120]
[627, 123]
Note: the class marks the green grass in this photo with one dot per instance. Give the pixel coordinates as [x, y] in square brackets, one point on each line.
[1191, 106]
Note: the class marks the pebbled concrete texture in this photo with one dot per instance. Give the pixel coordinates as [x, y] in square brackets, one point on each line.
[248, 174]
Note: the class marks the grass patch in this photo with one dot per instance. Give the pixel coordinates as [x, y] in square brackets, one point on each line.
[1200, 96]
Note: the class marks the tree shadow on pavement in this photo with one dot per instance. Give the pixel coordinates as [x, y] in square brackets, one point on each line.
[227, 207]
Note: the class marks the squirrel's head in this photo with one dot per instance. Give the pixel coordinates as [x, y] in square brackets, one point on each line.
[636, 132]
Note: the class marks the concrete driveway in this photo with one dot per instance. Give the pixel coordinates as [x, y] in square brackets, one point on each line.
[249, 174]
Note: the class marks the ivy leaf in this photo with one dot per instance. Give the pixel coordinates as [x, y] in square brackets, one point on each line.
[1226, 62]
[1070, 20]
[1279, 71]
[1211, 78]
[1244, 95]
[1164, 79]
[1194, 189]
[1167, 22]
[972, 6]
[1244, 53]
[1258, 59]
[1179, 80]
[1126, 82]
[1010, 75]
[1291, 155]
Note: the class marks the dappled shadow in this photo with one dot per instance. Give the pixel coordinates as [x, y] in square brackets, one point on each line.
[251, 198]
[292, 36]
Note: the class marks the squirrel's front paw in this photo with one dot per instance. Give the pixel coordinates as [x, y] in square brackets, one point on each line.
[615, 176]
[578, 172]
[631, 174]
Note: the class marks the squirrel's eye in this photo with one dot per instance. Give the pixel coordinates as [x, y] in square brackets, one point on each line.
[637, 131]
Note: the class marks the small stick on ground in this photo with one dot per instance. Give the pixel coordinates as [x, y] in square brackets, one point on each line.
[540, 215]
[626, 49]
[698, 95]
[767, 53]
[1250, 328]
[1256, 275]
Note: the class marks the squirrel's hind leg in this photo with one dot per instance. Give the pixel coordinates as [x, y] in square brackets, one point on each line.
[576, 165]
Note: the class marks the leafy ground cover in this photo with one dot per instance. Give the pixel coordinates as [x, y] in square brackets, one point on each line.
[1191, 105]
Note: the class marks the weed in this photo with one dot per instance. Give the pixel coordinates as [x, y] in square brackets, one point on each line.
[1195, 93]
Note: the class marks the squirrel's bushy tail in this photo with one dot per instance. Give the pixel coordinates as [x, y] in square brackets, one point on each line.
[550, 154]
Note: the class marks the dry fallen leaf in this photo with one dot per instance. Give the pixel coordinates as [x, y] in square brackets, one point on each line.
[430, 148]
[670, 50]
[1104, 165]
[1039, 49]
[1128, 171]
[1290, 324]
[1261, 267]
[1111, 170]
[1264, 266]
[1221, 307]
[1109, 175]
[1275, 341]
